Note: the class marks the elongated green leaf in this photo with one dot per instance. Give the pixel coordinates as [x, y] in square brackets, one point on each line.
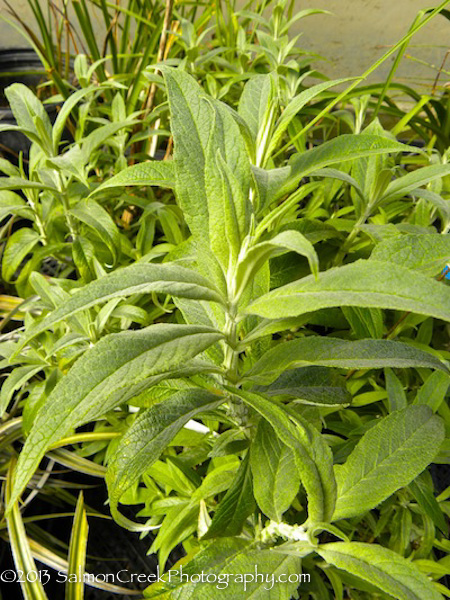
[423, 492]
[203, 129]
[23, 558]
[227, 205]
[312, 455]
[341, 149]
[100, 135]
[76, 463]
[427, 253]
[436, 200]
[77, 552]
[268, 183]
[18, 183]
[341, 176]
[370, 283]
[257, 256]
[389, 456]
[64, 114]
[139, 278]
[234, 508]
[372, 173]
[365, 322]
[275, 476]
[117, 368]
[13, 204]
[309, 385]
[152, 173]
[14, 382]
[334, 352]
[99, 220]
[145, 440]
[396, 393]
[296, 105]
[28, 110]
[433, 391]
[19, 245]
[408, 183]
[385, 569]
[254, 102]
[227, 559]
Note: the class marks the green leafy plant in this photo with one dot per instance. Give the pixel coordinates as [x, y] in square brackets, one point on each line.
[284, 468]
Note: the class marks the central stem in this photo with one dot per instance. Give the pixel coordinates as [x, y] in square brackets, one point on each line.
[231, 339]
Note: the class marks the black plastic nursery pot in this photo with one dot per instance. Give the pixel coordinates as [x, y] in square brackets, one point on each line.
[18, 65]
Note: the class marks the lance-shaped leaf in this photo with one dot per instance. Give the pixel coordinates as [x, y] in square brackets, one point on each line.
[19, 245]
[64, 113]
[310, 385]
[231, 555]
[409, 183]
[268, 183]
[139, 278]
[254, 102]
[143, 443]
[18, 378]
[151, 173]
[388, 456]
[275, 476]
[202, 129]
[381, 567]
[118, 367]
[428, 252]
[234, 508]
[340, 176]
[368, 283]
[341, 149]
[13, 204]
[334, 352]
[436, 200]
[18, 183]
[296, 105]
[100, 222]
[286, 241]
[312, 455]
[30, 114]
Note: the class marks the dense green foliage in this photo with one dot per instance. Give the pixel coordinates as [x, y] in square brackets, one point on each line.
[260, 355]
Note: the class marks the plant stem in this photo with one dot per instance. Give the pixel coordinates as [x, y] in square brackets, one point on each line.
[351, 237]
[38, 221]
[66, 207]
[231, 354]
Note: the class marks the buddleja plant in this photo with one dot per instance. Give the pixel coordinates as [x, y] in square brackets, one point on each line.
[265, 491]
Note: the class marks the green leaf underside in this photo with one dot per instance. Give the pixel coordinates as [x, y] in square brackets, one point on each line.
[389, 571]
[334, 352]
[145, 440]
[117, 368]
[389, 456]
[368, 283]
